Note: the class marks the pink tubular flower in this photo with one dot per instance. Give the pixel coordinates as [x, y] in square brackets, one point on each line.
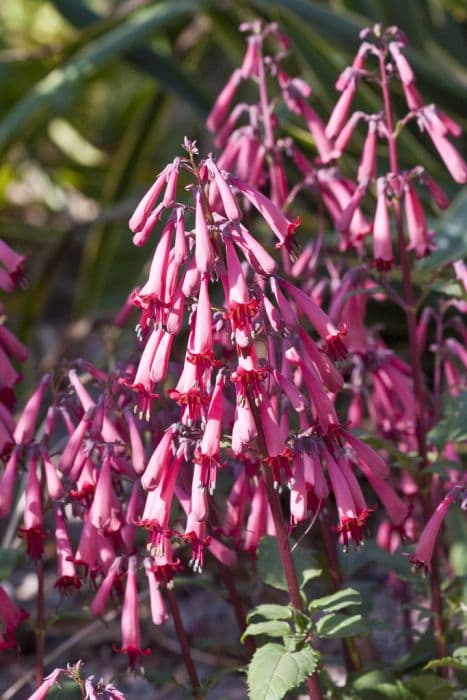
[33, 531]
[319, 320]
[13, 263]
[341, 109]
[423, 553]
[67, 580]
[7, 482]
[419, 236]
[47, 684]
[146, 205]
[281, 226]
[158, 610]
[382, 244]
[26, 425]
[105, 589]
[204, 252]
[367, 167]
[159, 460]
[100, 511]
[403, 66]
[224, 100]
[10, 618]
[131, 635]
[229, 203]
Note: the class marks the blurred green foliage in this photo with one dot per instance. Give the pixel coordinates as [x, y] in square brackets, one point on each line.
[96, 96]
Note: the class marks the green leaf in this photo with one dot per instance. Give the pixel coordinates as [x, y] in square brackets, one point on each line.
[453, 426]
[338, 626]
[451, 236]
[273, 671]
[271, 611]
[430, 686]
[459, 663]
[89, 59]
[9, 559]
[271, 628]
[269, 565]
[336, 601]
[165, 69]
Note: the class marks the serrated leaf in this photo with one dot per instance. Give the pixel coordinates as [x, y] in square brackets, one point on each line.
[271, 628]
[9, 559]
[271, 611]
[273, 671]
[269, 565]
[338, 626]
[336, 601]
[453, 426]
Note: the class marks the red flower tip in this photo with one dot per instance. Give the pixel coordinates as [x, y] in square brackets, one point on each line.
[133, 653]
[34, 537]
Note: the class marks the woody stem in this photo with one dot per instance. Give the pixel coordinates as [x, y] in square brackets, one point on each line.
[312, 683]
[417, 375]
[40, 623]
[184, 643]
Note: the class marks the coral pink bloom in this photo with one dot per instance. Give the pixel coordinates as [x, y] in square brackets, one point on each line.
[281, 226]
[351, 518]
[257, 256]
[157, 508]
[319, 320]
[341, 109]
[131, 635]
[450, 156]
[101, 508]
[256, 523]
[423, 553]
[327, 371]
[298, 492]
[200, 349]
[86, 553]
[159, 460]
[33, 531]
[222, 104]
[13, 263]
[210, 443]
[382, 244]
[252, 57]
[158, 611]
[204, 252]
[229, 202]
[75, 442]
[242, 310]
[146, 205]
[47, 684]
[419, 236]
[367, 167]
[366, 454]
[109, 582]
[138, 455]
[109, 431]
[54, 485]
[12, 346]
[170, 194]
[244, 427]
[10, 618]
[402, 64]
[67, 578]
[26, 425]
[7, 482]
[155, 285]
[437, 192]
